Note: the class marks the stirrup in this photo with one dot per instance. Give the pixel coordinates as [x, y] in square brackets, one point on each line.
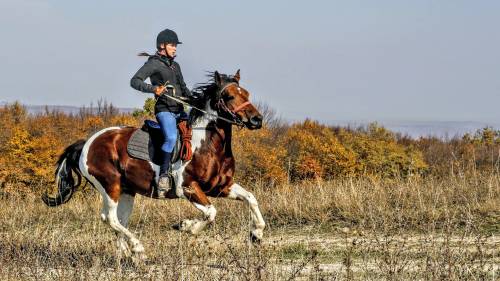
[164, 184]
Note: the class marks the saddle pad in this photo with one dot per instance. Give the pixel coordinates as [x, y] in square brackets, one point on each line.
[142, 146]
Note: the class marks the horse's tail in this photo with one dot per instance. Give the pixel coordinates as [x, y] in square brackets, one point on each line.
[67, 164]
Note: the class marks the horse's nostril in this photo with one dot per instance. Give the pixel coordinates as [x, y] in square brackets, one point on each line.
[256, 120]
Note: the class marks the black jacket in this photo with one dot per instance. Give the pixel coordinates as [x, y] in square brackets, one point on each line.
[160, 69]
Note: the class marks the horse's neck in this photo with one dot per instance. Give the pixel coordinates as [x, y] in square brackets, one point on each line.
[223, 132]
[209, 130]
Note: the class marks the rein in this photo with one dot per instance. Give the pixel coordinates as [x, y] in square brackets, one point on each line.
[236, 120]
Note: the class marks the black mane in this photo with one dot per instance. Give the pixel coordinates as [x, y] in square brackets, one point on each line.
[206, 92]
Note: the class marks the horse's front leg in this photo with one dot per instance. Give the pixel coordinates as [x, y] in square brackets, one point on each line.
[239, 193]
[197, 197]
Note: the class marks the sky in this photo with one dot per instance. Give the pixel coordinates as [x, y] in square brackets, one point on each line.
[326, 60]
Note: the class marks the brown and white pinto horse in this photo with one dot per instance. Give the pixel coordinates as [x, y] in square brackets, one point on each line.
[103, 160]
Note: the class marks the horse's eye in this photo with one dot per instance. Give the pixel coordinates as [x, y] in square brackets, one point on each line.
[228, 98]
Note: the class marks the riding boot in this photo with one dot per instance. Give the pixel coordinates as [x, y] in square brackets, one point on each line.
[164, 179]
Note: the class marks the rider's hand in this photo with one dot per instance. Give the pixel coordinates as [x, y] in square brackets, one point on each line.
[159, 90]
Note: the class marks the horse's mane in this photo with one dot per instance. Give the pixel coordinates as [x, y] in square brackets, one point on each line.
[206, 92]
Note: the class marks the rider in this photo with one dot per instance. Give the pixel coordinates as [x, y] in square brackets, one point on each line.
[166, 77]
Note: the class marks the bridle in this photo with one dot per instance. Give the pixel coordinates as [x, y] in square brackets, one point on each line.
[232, 112]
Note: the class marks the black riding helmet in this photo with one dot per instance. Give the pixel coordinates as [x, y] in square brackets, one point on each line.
[167, 36]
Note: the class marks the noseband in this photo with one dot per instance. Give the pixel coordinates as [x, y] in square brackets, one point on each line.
[240, 107]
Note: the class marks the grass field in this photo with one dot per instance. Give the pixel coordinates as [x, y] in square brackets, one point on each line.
[349, 229]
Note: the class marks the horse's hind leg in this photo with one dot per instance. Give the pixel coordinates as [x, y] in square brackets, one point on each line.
[125, 206]
[114, 222]
[239, 193]
[196, 196]
[111, 196]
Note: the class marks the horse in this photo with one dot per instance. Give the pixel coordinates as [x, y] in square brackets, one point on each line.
[104, 162]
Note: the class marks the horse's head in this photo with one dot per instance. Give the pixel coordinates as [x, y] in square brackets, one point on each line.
[232, 101]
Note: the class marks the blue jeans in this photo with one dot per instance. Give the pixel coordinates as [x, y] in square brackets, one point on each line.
[168, 124]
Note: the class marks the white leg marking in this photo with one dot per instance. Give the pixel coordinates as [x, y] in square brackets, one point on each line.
[114, 222]
[238, 192]
[195, 226]
[125, 207]
[208, 211]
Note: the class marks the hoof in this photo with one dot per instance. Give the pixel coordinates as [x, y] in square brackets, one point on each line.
[254, 239]
[177, 226]
[140, 256]
[138, 249]
[184, 225]
[139, 260]
[190, 226]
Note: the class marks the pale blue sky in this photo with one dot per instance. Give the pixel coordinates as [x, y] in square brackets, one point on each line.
[327, 60]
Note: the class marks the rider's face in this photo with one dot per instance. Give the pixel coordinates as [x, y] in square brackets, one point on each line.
[170, 49]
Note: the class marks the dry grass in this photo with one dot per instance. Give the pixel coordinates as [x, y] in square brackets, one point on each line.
[354, 229]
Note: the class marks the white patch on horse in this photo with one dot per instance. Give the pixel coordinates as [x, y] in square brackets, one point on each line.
[199, 127]
[209, 211]
[156, 170]
[109, 211]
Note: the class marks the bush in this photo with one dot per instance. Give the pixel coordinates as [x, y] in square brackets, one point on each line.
[277, 153]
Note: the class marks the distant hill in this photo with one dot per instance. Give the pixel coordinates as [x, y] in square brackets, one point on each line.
[416, 129]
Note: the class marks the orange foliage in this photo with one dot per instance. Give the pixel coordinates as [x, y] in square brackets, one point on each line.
[314, 151]
[30, 145]
[259, 156]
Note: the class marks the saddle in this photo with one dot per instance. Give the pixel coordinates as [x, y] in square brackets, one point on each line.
[146, 142]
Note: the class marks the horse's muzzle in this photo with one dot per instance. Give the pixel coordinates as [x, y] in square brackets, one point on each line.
[256, 122]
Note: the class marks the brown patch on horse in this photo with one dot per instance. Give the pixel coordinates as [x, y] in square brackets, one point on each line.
[212, 166]
[115, 170]
[138, 175]
[194, 193]
[101, 161]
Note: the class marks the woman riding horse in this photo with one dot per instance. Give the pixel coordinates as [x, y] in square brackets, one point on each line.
[164, 72]
[103, 161]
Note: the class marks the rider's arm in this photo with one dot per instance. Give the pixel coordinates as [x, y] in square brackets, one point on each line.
[137, 81]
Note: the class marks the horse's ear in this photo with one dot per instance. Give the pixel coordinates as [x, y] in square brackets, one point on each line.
[218, 79]
[237, 76]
